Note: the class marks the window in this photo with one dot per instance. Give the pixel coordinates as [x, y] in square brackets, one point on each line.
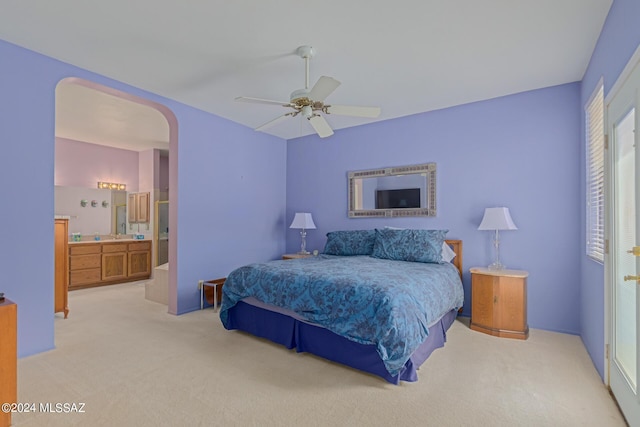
[594, 132]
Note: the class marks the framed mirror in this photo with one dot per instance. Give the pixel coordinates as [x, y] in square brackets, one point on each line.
[393, 192]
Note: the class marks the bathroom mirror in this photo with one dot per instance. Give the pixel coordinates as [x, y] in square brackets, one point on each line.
[92, 210]
[119, 212]
[393, 192]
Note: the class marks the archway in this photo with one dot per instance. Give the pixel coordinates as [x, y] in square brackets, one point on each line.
[146, 104]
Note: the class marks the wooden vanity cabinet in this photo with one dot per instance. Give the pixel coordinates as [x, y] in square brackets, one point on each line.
[107, 263]
[61, 281]
[114, 261]
[139, 259]
[85, 263]
[139, 207]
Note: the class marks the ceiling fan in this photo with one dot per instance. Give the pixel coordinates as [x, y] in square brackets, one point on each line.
[309, 103]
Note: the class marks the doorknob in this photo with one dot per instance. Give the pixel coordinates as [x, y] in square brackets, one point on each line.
[635, 251]
[636, 278]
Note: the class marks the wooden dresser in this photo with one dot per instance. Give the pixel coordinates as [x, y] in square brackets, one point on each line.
[61, 283]
[8, 357]
[499, 302]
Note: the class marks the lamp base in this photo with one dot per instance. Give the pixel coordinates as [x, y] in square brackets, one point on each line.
[497, 266]
[303, 243]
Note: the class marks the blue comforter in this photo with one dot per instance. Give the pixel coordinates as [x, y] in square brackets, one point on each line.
[389, 304]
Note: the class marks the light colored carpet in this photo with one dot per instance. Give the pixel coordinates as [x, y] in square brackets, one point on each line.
[132, 364]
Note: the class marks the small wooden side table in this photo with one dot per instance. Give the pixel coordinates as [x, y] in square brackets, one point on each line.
[499, 302]
[296, 256]
[217, 285]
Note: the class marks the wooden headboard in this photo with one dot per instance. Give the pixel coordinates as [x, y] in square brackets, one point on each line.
[456, 245]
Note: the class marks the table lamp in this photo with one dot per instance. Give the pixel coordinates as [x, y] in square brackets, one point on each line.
[304, 222]
[497, 219]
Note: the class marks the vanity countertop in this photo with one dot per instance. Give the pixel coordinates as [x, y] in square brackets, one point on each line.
[107, 241]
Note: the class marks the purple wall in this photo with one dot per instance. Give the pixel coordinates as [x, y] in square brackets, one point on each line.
[228, 186]
[227, 189]
[618, 40]
[518, 151]
[231, 201]
[80, 164]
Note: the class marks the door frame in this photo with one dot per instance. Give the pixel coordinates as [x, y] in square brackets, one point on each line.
[173, 172]
[156, 233]
[609, 270]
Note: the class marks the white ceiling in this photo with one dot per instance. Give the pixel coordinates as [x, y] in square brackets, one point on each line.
[89, 115]
[405, 56]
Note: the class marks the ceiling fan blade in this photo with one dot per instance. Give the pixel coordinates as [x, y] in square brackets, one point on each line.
[273, 122]
[262, 101]
[323, 88]
[321, 126]
[350, 110]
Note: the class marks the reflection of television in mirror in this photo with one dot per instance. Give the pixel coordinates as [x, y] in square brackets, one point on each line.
[398, 199]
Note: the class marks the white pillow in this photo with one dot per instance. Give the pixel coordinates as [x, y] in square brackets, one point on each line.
[447, 253]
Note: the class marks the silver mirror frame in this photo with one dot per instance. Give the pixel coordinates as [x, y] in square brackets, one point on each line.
[426, 168]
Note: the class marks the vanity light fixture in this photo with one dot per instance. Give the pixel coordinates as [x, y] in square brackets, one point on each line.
[111, 186]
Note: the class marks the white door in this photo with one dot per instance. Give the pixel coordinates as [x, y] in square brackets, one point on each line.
[622, 121]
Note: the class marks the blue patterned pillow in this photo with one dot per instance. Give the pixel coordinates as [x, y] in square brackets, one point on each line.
[409, 245]
[350, 242]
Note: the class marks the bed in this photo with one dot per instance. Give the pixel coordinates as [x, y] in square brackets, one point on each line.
[379, 301]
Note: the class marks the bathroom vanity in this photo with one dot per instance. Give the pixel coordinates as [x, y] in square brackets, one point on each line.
[105, 263]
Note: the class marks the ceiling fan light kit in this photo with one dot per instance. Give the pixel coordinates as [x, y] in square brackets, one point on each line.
[309, 103]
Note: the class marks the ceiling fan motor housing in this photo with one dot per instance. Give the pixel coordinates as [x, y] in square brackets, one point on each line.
[300, 95]
[305, 52]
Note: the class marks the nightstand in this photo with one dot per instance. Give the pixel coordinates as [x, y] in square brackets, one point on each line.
[499, 302]
[296, 256]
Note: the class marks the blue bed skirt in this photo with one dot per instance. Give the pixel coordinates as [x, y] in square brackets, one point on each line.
[305, 337]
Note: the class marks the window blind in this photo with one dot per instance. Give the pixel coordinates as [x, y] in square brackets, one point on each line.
[594, 132]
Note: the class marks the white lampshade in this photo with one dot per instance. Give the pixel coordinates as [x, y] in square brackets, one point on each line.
[497, 219]
[303, 220]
